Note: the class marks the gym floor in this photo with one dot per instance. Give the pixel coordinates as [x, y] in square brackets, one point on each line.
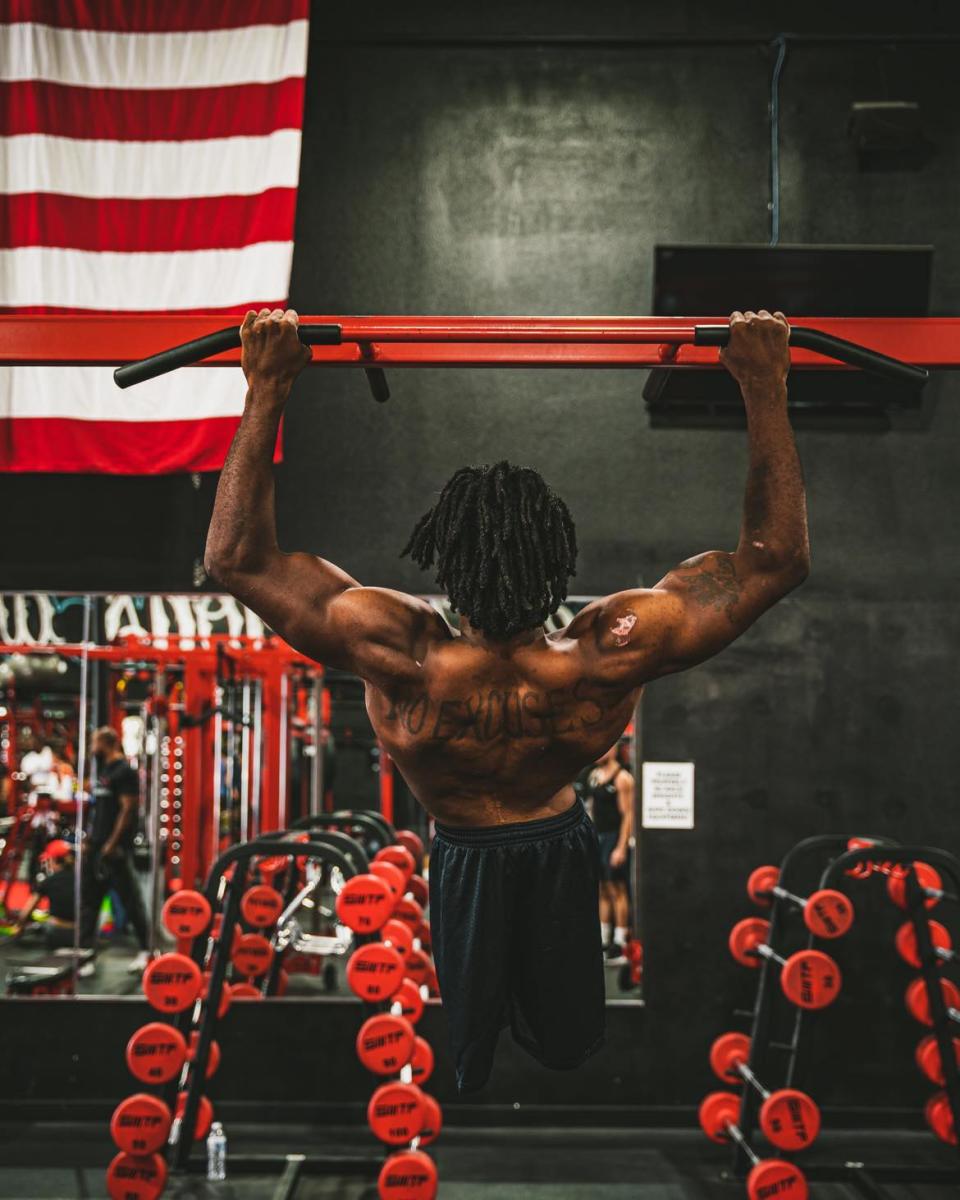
[474, 1164]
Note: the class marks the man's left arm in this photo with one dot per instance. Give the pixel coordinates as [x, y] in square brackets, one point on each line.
[625, 792]
[312, 604]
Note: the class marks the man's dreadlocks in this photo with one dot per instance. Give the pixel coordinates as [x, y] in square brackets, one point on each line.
[504, 544]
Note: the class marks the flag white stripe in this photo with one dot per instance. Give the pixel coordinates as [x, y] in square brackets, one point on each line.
[102, 279]
[89, 394]
[237, 166]
[94, 58]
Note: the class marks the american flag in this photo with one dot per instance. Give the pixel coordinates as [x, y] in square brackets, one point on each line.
[149, 158]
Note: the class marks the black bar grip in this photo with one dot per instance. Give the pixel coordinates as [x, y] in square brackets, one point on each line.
[188, 353]
[843, 351]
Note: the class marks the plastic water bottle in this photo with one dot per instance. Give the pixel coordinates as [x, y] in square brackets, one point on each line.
[216, 1153]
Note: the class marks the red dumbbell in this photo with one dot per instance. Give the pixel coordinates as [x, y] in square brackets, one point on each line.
[396, 1113]
[918, 1000]
[136, 1176]
[140, 1124]
[789, 1118]
[929, 1060]
[364, 903]
[939, 1117]
[909, 951]
[375, 972]
[810, 979]
[827, 913]
[928, 879]
[408, 1175]
[768, 1176]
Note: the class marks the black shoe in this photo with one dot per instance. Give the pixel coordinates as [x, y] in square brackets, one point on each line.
[613, 955]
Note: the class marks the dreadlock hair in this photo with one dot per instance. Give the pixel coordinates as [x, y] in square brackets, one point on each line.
[505, 546]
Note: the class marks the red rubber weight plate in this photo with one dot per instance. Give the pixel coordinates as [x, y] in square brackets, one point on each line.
[271, 867]
[245, 991]
[940, 1118]
[828, 913]
[261, 906]
[398, 935]
[424, 935]
[156, 1052]
[918, 1002]
[140, 1124]
[432, 1121]
[811, 979]
[391, 875]
[745, 936]
[412, 842]
[774, 1177]
[728, 1050]
[927, 877]
[790, 1119]
[417, 887]
[717, 1111]
[186, 914]
[204, 1115]
[136, 1177]
[395, 1113]
[364, 903]
[400, 856]
[251, 954]
[385, 1043]
[213, 1056]
[421, 1061]
[417, 966]
[172, 982]
[759, 884]
[409, 1175]
[928, 1058]
[408, 997]
[906, 942]
[374, 971]
[226, 995]
[408, 911]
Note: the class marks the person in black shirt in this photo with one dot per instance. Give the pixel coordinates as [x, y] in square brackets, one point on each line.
[57, 888]
[108, 851]
[608, 790]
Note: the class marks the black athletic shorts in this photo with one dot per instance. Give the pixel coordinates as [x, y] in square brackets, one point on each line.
[516, 940]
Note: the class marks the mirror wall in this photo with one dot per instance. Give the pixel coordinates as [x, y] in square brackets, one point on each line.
[141, 736]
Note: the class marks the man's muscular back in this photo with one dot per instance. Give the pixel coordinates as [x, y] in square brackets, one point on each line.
[486, 735]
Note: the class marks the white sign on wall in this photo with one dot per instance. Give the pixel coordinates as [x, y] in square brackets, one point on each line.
[668, 795]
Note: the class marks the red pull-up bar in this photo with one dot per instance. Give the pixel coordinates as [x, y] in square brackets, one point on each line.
[902, 348]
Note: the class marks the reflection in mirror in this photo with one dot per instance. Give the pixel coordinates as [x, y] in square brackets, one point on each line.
[143, 736]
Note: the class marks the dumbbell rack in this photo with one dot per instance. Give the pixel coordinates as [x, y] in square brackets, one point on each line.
[333, 849]
[762, 1046]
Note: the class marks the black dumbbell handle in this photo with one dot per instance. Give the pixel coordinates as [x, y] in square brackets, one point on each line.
[843, 351]
[205, 347]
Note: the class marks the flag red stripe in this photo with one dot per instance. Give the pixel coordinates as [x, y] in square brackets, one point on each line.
[116, 447]
[194, 223]
[231, 310]
[149, 16]
[150, 115]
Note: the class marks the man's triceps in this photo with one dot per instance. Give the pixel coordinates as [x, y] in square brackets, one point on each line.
[709, 581]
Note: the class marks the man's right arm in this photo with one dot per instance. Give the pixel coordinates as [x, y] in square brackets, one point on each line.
[705, 603]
